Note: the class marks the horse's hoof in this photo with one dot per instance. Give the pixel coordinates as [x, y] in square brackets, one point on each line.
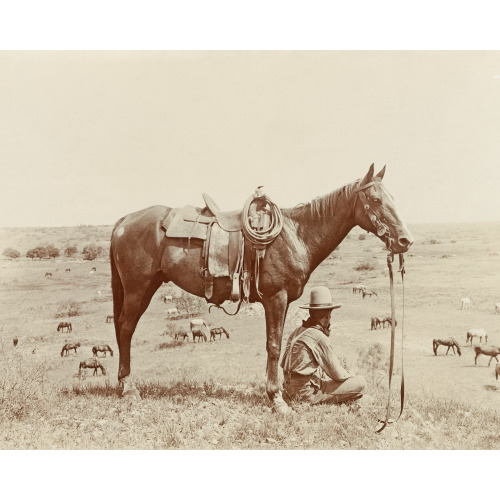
[131, 395]
[281, 408]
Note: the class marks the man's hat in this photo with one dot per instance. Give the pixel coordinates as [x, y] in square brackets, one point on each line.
[320, 298]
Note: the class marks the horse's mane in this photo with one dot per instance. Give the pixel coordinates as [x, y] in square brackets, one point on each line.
[323, 206]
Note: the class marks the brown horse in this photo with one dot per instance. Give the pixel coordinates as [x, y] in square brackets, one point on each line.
[91, 363]
[487, 350]
[102, 348]
[62, 325]
[218, 331]
[450, 342]
[142, 258]
[68, 347]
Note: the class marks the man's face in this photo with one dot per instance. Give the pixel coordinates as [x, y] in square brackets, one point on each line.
[327, 323]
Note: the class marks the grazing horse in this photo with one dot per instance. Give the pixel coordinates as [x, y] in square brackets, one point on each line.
[142, 258]
[91, 363]
[477, 333]
[109, 318]
[167, 299]
[48, 274]
[375, 323]
[62, 325]
[497, 308]
[466, 303]
[102, 348]
[218, 331]
[200, 329]
[172, 313]
[184, 335]
[365, 293]
[68, 347]
[487, 350]
[449, 341]
[358, 288]
[387, 319]
[68, 270]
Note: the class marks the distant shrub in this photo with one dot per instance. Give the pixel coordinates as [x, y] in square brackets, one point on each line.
[69, 308]
[11, 253]
[37, 253]
[364, 266]
[188, 303]
[52, 251]
[70, 251]
[362, 237]
[92, 251]
[373, 357]
[169, 345]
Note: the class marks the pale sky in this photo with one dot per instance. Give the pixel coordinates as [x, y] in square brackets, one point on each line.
[87, 137]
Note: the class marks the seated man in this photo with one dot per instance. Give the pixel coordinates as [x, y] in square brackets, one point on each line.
[312, 370]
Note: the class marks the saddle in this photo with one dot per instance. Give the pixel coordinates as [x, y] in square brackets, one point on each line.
[222, 236]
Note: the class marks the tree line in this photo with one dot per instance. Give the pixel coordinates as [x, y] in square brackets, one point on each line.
[89, 252]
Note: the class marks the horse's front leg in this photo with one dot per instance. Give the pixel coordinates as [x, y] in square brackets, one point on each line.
[275, 308]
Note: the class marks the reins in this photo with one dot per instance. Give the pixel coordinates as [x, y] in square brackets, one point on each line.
[390, 259]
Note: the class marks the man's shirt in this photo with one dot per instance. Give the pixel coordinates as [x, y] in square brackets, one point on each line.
[312, 355]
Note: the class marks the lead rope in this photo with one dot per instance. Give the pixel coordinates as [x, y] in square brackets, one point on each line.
[387, 420]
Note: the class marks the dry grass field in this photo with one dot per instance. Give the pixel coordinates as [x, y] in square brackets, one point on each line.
[212, 395]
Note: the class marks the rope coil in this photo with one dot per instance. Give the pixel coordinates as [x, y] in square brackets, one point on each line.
[266, 236]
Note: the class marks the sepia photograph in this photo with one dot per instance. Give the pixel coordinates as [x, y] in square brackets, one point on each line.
[250, 250]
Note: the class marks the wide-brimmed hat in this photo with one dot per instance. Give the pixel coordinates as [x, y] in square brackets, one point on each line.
[320, 298]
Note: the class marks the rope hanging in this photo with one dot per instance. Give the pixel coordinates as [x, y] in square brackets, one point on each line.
[262, 238]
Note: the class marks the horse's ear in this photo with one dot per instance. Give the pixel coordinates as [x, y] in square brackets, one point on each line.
[380, 175]
[369, 176]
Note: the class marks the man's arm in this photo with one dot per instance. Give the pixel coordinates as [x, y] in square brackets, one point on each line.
[329, 362]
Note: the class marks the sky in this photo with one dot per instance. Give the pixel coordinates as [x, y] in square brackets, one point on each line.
[87, 137]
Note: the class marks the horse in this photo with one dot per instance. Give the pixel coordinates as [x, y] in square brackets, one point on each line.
[15, 340]
[167, 299]
[109, 318]
[476, 333]
[94, 269]
[375, 323]
[173, 312]
[184, 335]
[358, 288]
[199, 328]
[102, 348]
[365, 293]
[142, 259]
[91, 273]
[487, 350]
[218, 331]
[91, 363]
[48, 274]
[68, 270]
[62, 325]
[497, 308]
[68, 347]
[449, 341]
[387, 319]
[466, 303]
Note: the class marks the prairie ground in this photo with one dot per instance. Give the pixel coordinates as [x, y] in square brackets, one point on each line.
[212, 395]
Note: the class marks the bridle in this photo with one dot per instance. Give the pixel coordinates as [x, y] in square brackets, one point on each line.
[382, 230]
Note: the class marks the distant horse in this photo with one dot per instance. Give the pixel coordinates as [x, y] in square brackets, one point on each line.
[167, 299]
[143, 258]
[199, 329]
[358, 288]
[102, 348]
[62, 325]
[184, 335]
[94, 269]
[497, 308]
[477, 333]
[387, 319]
[91, 273]
[173, 312]
[48, 274]
[375, 323]
[15, 340]
[218, 331]
[91, 363]
[68, 270]
[365, 293]
[487, 350]
[466, 303]
[449, 341]
[109, 318]
[68, 347]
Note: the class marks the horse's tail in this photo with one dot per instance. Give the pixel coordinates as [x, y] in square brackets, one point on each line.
[110, 350]
[116, 285]
[435, 346]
